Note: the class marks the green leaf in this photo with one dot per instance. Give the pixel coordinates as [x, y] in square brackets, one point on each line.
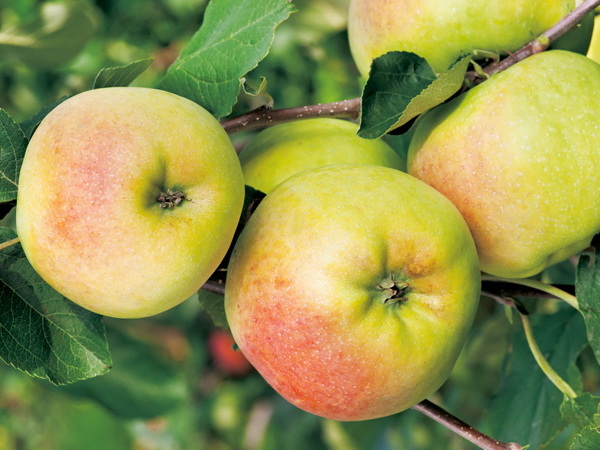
[213, 305]
[143, 383]
[54, 37]
[121, 75]
[581, 411]
[234, 37]
[12, 149]
[527, 407]
[260, 91]
[401, 86]
[587, 439]
[41, 332]
[587, 288]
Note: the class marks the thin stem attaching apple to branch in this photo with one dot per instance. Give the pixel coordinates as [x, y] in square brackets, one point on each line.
[543, 363]
[9, 243]
[551, 290]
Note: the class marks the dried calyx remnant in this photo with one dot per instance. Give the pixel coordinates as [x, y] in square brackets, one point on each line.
[396, 291]
[170, 199]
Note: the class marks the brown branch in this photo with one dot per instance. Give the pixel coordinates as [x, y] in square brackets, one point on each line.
[214, 286]
[541, 43]
[264, 116]
[461, 428]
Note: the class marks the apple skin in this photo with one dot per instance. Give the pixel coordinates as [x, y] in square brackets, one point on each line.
[282, 150]
[87, 211]
[440, 31]
[309, 293]
[519, 155]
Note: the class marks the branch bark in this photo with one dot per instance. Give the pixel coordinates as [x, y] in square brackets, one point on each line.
[265, 116]
[461, 428]
[214, 286]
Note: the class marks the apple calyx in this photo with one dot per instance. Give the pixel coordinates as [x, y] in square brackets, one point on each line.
[170, 199]
[396, 291]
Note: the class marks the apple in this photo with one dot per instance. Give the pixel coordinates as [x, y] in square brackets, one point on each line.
[128, 199]
[519, 155]
[440, 31]
[282, 150]
[226, 358]
[351, 290]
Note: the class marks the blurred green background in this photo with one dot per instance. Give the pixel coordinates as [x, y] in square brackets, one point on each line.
[167, 389]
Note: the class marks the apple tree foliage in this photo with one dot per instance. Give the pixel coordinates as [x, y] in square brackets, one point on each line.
[542, 393]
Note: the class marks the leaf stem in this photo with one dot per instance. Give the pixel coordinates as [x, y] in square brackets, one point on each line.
[556, 379]
[461, 428]
[540, 286]
[7, 244]
[265, 116]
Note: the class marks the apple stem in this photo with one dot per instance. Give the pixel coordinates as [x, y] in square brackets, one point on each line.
[542, 362]
[538, 285]
[9, 243]
[265, 116]
[461, 428]
[397, 292]
[170, 199]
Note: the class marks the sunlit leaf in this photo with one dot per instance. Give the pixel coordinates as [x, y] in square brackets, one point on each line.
[122, 75]
[401, 86]
[234, 37]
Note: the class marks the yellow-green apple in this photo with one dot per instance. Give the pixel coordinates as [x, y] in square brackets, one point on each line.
[351, 290]
[440, 31]
[128, 199]
[519, 155]
[282, 150]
